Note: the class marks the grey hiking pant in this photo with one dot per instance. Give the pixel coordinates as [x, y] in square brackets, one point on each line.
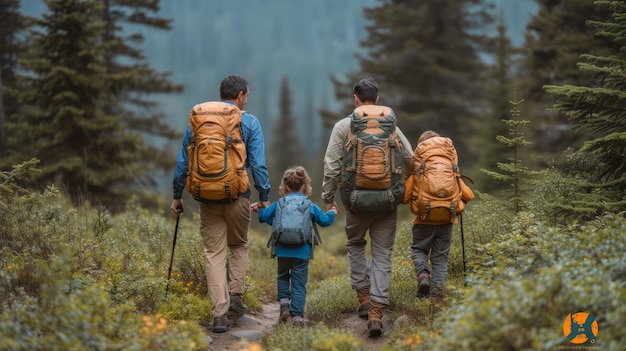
[436, 240]
[375, 274]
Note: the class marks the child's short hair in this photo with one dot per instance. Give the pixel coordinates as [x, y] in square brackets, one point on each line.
[293, 179]
[427, 135]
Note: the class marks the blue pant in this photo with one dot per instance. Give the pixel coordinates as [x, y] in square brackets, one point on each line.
[293, 274]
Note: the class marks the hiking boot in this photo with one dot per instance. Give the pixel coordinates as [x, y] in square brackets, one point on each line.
[285, 316]
[436, 293]
[364, 302]
[376, 311]
[299, 321]
[220, 324]
[374, 324]
[374, 328]
[236, 304]
[423, 285]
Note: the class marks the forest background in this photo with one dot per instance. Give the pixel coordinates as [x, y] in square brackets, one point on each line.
[304, 45]
[95, 96]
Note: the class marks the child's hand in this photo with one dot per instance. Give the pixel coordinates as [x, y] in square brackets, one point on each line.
[254, 207]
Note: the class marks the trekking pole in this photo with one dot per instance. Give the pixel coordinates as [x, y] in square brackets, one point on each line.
[463, 246]
[169, 271]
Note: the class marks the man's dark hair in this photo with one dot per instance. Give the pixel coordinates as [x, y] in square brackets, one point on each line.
[366, 90]
[231, 86]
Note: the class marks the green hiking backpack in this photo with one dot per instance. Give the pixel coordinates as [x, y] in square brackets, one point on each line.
[372, 170]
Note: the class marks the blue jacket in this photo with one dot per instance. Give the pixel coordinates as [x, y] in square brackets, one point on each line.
[266, 215]
[255, 150]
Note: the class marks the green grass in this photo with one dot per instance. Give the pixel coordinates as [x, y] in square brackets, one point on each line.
[78, 277]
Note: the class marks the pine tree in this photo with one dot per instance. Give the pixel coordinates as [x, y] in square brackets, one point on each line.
[514, 173]
[425, 56]
[131, 79]
[598, 112]
[84, 112]
[286, 147]
[555, 38]
[12, 24]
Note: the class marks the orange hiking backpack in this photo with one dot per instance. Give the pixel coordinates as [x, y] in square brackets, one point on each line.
[438, 192]
[217, 153]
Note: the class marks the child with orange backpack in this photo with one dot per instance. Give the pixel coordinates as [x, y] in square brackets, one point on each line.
[438, 196]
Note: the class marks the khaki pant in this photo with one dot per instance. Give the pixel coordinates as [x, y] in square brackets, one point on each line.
[225, 226]
[375, 274]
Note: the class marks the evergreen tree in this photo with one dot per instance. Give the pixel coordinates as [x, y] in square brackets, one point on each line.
[514, 173]
[286, 147]
[555, 38]
[131, 79]
[81, 106]
[598, 112]
[425, 56]
[12, 24]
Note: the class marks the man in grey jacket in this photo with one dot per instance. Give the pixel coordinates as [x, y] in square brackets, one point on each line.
[369, 279]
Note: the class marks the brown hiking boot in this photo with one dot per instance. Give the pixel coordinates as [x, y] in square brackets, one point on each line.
[374, 328]
[375, 315]
[364, 302]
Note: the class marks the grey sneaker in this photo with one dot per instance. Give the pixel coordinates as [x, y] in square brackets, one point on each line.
[299, 321]
[220, 324]
[285, 316]
[236, 304]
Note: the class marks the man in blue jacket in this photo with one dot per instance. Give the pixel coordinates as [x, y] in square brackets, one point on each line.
[225, 226]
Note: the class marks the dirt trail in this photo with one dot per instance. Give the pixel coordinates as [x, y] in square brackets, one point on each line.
[252, 326]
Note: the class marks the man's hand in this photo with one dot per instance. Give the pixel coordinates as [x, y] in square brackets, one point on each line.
[332, 206]
[176, 205]
[254, 207]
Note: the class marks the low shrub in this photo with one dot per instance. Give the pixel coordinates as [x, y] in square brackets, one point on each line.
[317, 338]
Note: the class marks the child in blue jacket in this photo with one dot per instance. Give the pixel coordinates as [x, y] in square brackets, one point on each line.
[291, 218]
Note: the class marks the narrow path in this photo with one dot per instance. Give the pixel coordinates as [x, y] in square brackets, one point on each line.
[251, 327]
[358, 326]
[246, 328]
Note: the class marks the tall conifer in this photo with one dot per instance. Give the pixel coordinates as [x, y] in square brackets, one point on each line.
[12, 24]
[599, 112]
[555, 38]
[425, 55]
[83, 106]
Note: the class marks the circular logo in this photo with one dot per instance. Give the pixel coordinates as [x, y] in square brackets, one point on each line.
[580, 328]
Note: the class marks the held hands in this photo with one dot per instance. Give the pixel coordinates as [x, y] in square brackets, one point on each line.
[332, 206]
[254, 207]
